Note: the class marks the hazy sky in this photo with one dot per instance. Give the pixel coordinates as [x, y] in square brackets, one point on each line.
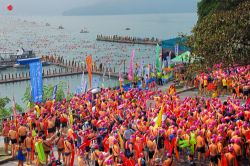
[57, 7]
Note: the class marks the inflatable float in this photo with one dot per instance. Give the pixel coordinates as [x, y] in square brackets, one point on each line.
[40, 152]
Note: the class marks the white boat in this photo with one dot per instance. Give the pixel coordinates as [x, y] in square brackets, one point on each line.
[60, 27]
[3, 67]
[84, 30]
[20, 66]
[9, 59]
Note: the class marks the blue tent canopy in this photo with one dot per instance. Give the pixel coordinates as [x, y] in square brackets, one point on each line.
[171, 43]
[27, 61]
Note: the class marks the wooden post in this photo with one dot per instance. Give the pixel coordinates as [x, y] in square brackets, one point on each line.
[4, 76]
[16, 75]
[19, 75]
[22, 75]
[12, 76]
[26, 75]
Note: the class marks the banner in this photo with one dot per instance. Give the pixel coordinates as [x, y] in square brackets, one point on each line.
[83, 81]
[176, 50]
[159, 117]
[89, 66]
[146, 73]
[169, 59]
[36, 81]
[54, 92]
[140, 73]
[130, 72]
[157, 58]
[14, 108]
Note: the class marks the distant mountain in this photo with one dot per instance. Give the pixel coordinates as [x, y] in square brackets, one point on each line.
[136, 7]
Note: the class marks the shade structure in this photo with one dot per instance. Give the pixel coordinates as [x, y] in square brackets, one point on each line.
[27, 61]
[184, 57]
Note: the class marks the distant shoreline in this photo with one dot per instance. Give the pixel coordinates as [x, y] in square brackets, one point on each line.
[129, 14]
[124, 14]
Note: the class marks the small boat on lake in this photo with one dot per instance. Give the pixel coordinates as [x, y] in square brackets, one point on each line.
[84, 30]
[60, 27]
[9, 59]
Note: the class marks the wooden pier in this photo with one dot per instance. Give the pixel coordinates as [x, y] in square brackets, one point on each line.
[128, 40]
[67, 68]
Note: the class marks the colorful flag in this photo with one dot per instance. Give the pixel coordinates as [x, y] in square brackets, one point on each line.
[68, 90]
[140, 71]
[159, 117]
[14, 108]
[169, 59]
[103, 79]
[83, 81]
[176, 50]
[157, 58]
[89, 66]
[131, 73]
[54, 92]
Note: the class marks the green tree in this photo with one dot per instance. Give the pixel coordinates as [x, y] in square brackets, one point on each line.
[223, 37]
[3, 110]
[207, 7]
[47, 93]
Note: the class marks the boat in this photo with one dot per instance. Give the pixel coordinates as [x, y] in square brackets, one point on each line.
[47, 24]
[60, 27]
[3, 67]
[127, 29]
[16, 65]
[84, 31]
[45, 63]
[9, 59]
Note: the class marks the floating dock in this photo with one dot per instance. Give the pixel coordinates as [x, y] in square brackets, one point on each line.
[68, 68]
[128, 40]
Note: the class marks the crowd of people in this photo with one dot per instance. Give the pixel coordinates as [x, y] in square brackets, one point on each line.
[220, 81]
[217, 81]
[135, 127]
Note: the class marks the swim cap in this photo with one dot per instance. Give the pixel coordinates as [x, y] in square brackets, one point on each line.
[230, 149]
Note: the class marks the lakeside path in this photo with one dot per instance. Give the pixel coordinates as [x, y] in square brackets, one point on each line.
[182, 93]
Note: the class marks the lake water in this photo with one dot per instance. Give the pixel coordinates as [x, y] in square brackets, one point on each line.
[31, 33]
